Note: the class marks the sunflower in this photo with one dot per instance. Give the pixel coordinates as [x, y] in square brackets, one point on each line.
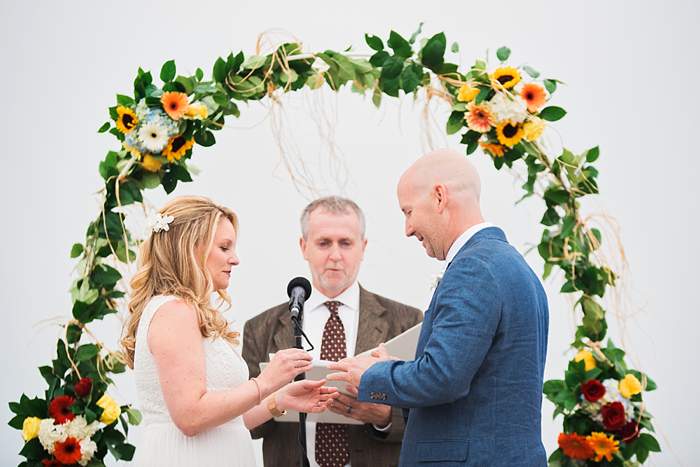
[67, 452]
[177, 147]
[467, 93]
[151, 163]
[575, 446]
[534, 96]
[509, 133]
[136, 154]
[507, 76]
[479, 117]
[174, 104]
[496, 150]
[533, 129]
[126, 119]
[603, 445]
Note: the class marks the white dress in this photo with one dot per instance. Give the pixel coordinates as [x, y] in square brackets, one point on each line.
[161, 442]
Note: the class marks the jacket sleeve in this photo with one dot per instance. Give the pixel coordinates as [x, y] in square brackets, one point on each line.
[251, 353]
[464, 318]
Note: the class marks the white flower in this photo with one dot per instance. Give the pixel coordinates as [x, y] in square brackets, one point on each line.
[87, 450]
[153, 136]
[49, 434]
[80, 429]
[436, 280]
[142, 110]
[159, 222]
[505, 109]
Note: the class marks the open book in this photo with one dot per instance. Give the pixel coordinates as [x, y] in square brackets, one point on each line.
[402, 347]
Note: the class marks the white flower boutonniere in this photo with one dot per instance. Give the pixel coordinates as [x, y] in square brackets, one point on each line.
[436, 280]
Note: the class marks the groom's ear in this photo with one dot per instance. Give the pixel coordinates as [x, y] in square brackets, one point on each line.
[440, 197]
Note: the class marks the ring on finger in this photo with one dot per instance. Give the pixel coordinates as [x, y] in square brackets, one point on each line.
[349, 409]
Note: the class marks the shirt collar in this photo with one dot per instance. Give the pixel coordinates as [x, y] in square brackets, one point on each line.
[350, 298]
[463, 239]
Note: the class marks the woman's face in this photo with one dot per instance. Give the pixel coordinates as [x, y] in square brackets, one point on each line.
[222, 256]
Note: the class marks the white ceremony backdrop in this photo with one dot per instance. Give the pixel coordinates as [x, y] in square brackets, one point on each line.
[630, 71]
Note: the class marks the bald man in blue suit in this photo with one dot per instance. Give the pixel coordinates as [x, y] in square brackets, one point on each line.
[473, 394]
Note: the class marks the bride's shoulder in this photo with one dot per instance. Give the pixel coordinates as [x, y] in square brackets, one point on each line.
[173, 320]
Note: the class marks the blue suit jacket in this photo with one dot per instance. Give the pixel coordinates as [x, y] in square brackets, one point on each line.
[475, 388]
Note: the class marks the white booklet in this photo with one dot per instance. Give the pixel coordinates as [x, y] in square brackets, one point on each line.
[402, 347]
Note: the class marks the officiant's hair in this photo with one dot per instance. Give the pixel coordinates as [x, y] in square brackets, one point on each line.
[173, 262]
[332, 204]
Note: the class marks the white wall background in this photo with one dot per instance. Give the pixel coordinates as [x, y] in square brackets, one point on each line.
[631, 71]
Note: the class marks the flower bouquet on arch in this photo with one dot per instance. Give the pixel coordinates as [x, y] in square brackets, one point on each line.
[77, 422]
[604, 414]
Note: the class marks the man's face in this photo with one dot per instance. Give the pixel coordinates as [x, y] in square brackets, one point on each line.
[421, 220]
[334, 249]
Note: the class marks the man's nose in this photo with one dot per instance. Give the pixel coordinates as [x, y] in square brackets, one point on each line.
[335, 253]
[408, 229]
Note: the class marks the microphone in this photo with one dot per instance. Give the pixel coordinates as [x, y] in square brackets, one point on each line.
[298, 290]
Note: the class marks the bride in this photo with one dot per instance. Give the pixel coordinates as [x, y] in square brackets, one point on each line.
[197, 401]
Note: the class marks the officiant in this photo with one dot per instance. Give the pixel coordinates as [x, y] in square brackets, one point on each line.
[341, 319]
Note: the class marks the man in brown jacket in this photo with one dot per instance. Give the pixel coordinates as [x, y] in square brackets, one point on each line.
[341, 319]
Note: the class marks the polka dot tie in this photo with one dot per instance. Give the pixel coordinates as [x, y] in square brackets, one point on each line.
[332, 442]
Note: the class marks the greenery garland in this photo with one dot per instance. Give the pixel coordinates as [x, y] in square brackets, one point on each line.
[605, 421]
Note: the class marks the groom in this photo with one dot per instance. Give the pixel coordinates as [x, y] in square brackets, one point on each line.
[474, 390]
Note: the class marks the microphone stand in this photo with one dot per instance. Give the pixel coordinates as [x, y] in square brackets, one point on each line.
[298, 333]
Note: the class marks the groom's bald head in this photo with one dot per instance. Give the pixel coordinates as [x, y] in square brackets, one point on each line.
[439, 195]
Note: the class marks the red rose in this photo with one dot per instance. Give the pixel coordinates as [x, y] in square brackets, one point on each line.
[613, 416]
[59, 409]
[593, 390]
[629, 432]
[82, 388]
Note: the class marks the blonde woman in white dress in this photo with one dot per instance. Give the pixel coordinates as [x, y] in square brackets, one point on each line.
[193, 388]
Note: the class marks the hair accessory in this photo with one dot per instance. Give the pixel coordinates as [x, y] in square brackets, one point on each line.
[160, 222]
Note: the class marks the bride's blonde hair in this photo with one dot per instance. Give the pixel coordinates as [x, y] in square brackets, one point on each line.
[173, 262]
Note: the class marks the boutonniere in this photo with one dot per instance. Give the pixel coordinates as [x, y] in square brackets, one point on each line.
[436, 280]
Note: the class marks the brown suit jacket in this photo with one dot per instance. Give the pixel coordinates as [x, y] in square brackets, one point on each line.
[380, 320]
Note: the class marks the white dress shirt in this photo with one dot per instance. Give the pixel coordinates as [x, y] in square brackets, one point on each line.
[315, 316]
[463, 239]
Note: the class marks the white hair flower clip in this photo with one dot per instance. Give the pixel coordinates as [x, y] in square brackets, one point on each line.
[160, 222]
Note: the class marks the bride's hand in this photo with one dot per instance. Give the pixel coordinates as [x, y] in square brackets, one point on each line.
[283, 368]
[306, 396]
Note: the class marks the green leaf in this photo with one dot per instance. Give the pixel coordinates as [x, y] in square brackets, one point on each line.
[199, 74]
[219, 71]
[33, 450]
[391, 68]
[552, 113]
[433, 54]
[76, 250]
[134, 415]
[47, 374]
[123, 451]
[105, 276]
[167, 72]
[454, 48]
[378, 59]
[550, 85]
[455, 122]
[254, 62]
[592, 154]
[86, 352]
[126, 101]
[649, 442]
[105, 126]
[150, 180]
[415, 34]
[555, 196]
[205, 138]
[399, 45]
[73, 333]
[503, 53]
[550, 217]
[374, 42]
[531, 71]
[411, 78]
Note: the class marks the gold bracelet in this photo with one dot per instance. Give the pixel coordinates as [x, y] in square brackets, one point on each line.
[272, 407]
[257, 386]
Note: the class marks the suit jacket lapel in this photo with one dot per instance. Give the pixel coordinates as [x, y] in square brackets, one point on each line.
[371, 329]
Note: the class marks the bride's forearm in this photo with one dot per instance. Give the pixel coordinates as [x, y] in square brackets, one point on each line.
[258, 414]
[215, 408]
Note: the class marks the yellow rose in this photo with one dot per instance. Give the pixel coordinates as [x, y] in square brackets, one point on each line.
[533, 129]
[196, 111]
[629, 386]
[110, 408]
[152, 164]
[467, 93]
[588, 359]
[30, 428]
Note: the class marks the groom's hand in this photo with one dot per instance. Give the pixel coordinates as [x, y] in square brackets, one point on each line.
[376, 414]
[351, 369]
